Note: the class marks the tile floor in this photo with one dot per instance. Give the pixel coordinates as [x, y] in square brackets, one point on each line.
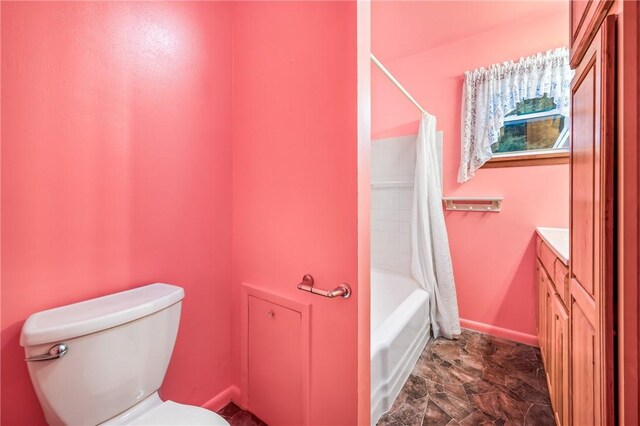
[475, 380]
[236, 416]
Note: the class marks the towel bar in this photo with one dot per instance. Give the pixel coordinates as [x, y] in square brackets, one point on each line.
[473, 204]
[343, 290]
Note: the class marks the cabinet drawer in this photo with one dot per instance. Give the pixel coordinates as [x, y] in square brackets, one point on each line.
[548, 259]
[561, 280]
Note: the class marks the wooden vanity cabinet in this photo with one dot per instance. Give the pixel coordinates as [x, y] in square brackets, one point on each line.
[553, 328]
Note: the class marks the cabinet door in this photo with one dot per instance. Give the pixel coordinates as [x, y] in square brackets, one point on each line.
[591, 269]
[585, 368]
[585, 19]
[274, 374]
[552, 351]
[547, 303]
[549, 294]
[541, 314]
[560, 362]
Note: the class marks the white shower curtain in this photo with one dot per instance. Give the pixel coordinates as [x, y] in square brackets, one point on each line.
[430, 255]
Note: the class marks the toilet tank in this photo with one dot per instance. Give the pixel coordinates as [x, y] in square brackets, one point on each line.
[119, 347]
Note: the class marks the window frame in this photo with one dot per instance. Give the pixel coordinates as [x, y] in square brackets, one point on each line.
[537, 157]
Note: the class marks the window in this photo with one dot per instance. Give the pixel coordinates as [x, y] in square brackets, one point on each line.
[535, 130]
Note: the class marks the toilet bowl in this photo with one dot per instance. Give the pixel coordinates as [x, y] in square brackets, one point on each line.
[103, 361]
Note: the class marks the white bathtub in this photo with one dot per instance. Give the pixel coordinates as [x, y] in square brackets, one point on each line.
[399, 332]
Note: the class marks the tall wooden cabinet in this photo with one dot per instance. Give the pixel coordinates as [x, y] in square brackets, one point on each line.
[576, 313]
[590, 302]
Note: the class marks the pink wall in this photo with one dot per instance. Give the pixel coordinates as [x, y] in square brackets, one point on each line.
[118, 169]
[116, 140]
[493, 254]
[295, 177]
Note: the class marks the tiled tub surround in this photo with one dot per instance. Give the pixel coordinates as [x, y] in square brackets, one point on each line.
[477, 379]
[390, 229]
[393, 163]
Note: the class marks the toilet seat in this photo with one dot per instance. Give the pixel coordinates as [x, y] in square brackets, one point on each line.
[172, 413]
[152, 411]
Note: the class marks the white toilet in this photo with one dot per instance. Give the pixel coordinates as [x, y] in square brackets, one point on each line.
[102, 361]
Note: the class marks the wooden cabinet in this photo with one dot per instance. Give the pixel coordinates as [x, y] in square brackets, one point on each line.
[590, 297]
[575, 323]
[553, 330]
[585, 19]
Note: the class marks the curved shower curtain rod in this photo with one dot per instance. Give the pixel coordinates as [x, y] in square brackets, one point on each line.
[396, 82]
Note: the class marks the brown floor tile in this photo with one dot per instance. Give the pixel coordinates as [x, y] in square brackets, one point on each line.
[457, 390]
[229, 410]
[499, 406]
[475, 380]
[412, 412]
[476, 418]
[236, 416]
[454, 407]
[415, 387]
[435, 416]
[388, 420]
[528, 393]
[539, 415]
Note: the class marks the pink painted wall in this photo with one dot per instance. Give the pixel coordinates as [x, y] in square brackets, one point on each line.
[116, 172]
[295, 177]
[493, 254]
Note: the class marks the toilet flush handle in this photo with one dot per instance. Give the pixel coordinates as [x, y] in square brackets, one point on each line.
[57, 351]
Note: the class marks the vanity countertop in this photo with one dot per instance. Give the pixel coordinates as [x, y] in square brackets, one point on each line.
[558, 240]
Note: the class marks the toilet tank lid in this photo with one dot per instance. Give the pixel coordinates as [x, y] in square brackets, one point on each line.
[90, 316]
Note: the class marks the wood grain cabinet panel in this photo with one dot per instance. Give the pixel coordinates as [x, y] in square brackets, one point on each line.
[584, 369]
[540, 291]
[550, 366]
[586, 106]
[548, 259]
[560, 363]
[561, 279]
[591, 264]
[585, 19]
[545, 306]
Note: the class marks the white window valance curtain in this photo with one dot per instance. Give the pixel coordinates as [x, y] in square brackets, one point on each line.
[491, 93]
